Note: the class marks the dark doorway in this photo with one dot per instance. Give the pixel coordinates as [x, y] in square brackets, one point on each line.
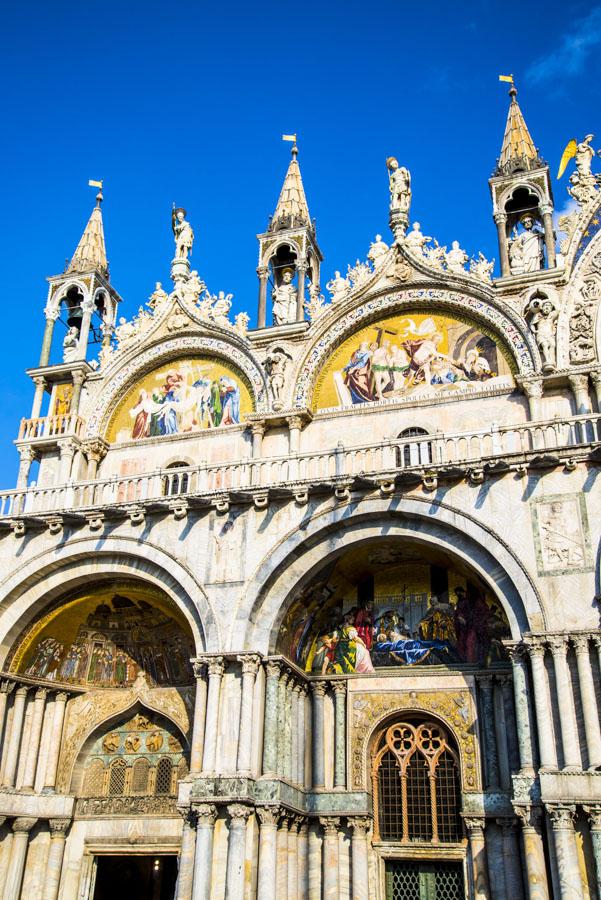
[135, 877]
[424, 881]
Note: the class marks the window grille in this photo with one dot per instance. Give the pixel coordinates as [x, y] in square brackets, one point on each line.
[163, 777]
[94, 779]
[415, 774]
[117, 778]
[415, 453]
[424, 881]
[175, 482]
[139, 778]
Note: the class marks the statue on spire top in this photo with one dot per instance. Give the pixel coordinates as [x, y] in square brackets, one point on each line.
[183, 233]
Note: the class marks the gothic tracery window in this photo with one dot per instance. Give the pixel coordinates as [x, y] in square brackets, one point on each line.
[416, 791]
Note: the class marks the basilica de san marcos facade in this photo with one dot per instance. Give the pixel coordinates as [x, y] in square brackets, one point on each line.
[312, 610]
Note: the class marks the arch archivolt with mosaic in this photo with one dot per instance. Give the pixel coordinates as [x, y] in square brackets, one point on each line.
[106, 402]
[508, 330]
[369, 713]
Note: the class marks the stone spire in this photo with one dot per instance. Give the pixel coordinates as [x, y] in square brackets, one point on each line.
[292, 210]
[518, 152]
[90, 253]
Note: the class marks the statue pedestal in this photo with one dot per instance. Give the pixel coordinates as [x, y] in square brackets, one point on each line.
[180, 269]
[399, 222]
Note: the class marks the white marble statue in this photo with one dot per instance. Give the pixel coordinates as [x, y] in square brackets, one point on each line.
[158, 297]
[338, 287]
[415, 240]
[70, 344]
[275, 366]
[241, 323]
[222, 304]
[436, 254]
[542, 316]
[456, 258]
[400, 187]
[526, 248]
[584, 157]
[182, 231]
[481, 268]
[284, 300]
[377, 251]
[314, 306]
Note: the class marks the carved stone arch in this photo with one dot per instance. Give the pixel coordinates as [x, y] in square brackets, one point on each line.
[297, 558]
[455, 710]
[28, 590]
[530, 186]
[581, 306]
[136, 365]
[505, 322]
[87, 721]
[64, 289]
[272, 248]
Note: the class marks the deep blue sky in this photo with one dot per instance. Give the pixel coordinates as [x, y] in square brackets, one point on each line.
[187, 102]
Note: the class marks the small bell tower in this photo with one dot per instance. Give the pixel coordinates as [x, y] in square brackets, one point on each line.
[289, 255]
[522, 198]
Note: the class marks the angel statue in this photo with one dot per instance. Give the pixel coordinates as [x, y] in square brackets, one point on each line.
[542, 317]
[583, 183]
[182, 231]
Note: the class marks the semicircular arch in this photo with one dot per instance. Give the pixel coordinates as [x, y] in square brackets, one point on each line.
[504, 323]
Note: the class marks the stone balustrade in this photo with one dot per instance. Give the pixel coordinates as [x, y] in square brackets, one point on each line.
[47, 427]
[428, 458]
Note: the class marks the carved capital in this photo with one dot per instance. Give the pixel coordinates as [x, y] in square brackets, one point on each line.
[558, 645]
[580, 642]
[239, 813]
[593, 812]
[58, 827]
[23, 825]
[330, 825]
[215, 667]
[51, 312]
[27, 454]
[273, 669]
[578, 382]
[7, 687]
[561, 816]
[533, 388]
[269, 815]
[339, 688]
[319, 689]
[95, 450]
[250, 663]
[205, 813]
[546, 209]
[295, 422]
[517, 652]
[61, 697]
[474, 825]
[41, 693]
[500, 218]
[596, 377]
[39, 381]
[78, 377]
[529, 816]
[22, 691]
[258, 428]
[200, 668]
[536, 651]
[360, 826]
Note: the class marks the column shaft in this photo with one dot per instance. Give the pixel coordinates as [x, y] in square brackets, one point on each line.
[302, 743]
[250, 666]
[200, 712]
[270, 747]
[340, 734]
[55, 741]
[359, 859]
[266, 882]
[503, 250]
[594, 814]
[589, 702]
[330, 877]
[303, 859]
[294, 732]
[54, 864]
[488, 726]
[35, 735]
[566, 853]
[236, 852]
[203, 854]
[47, 341]
[216, 668]
[549, 239]
[319, 690]
[511, 853]
[567, 714]
[293, 861]
[18, 854]
[282, 859]
[534, 854]
[185, 871]
[542, 706]
[14, 739]
[501, 736]
[475, 830]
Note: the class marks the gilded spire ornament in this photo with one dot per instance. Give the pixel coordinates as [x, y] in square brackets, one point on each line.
[292, 209]
[90, 253]
[518, 152]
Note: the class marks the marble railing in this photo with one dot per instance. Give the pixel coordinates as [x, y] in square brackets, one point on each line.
[426, 456]
[50, 427]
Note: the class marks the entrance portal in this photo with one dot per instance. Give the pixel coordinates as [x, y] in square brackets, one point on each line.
[135, 877]
[424, 881]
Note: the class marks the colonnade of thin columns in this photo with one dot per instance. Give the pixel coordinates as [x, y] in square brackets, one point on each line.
[45, 870]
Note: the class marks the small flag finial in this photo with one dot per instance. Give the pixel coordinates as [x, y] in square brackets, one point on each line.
[97, 184]
[292, 139]
[507, 78]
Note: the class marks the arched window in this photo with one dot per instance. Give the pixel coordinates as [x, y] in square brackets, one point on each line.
[415, 774]
[416, 452]
[139, 776]
[117, 778]
[94, 779]
[162, 783]
[174, 481]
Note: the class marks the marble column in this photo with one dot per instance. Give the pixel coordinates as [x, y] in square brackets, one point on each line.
[511, 854]
[14, 738]
[206, 814]
[301, 269]
[18, 854]
[534, 854]
[294, 734]
[314, 847]
[501, 223]
[594, 817]
[302, 740]
[596, 380]
[200, 712]
[263, 273]
[566, 853]
[54, 864]
[236, 851]
[258, 430]
[533, 388]
[185, 871]
[282, 716]
[293, 859]
[26, 456]
[287, 769]
[303, 861]
[38, 397]
[546, 211]
[339, 688]
[78, 380]
[319, 690]
[6, 688]
[488, 725]
[295, 424]
[496, 862]
[51, 317]
[330, 876]
[567, 715]
[582, 400]
[35, 733]
[282, 858]
[54, 747]
[359, 857]
[270, 725]
[250, 667]
[589, 701]
[5, 851]
[266, 883]
[87, 308]
[475, 830]
[216, 669]
[501, 735]
[542, 706]
[513, 740]
[67, 448]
